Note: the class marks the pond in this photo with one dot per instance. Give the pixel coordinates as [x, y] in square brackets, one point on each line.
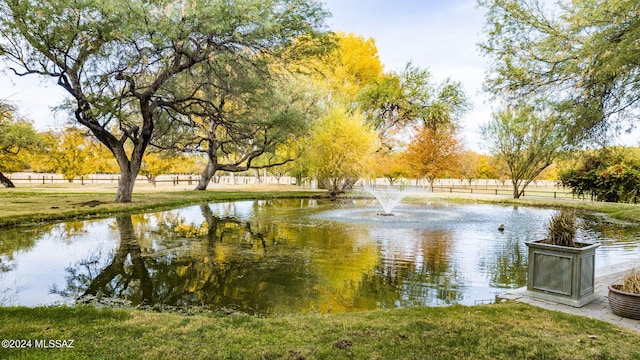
[289, 256]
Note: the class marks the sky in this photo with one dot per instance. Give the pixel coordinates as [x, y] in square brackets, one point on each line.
[437, 35]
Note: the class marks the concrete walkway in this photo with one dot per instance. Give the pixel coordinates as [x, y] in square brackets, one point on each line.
[598, 308]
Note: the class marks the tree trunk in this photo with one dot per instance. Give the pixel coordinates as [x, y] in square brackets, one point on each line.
[212, 165]
[5, 181]
[206, 175]
[125, 186]
[516, 190]
[431, 181]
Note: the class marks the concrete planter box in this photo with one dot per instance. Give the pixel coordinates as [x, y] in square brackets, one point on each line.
[562, 274]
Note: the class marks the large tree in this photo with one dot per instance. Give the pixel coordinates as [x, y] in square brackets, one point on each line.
[580, 54]
[120, 60]
[241, 116]
[526, 140]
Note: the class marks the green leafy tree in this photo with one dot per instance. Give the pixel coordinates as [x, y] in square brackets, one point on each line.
[525, 141]
[119, 60]
[240, 119]
[281, 156]
[581, 54]
[16, 138]
[412, 97]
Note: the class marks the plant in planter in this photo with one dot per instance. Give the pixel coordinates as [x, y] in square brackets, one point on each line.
[624, 298]
[561, 229]
[561, 269]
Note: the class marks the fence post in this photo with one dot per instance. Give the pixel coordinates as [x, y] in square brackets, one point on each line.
[554, 194]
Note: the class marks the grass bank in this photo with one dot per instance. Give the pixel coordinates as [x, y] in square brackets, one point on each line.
[497, 331]
[37, 203]
[30, 205]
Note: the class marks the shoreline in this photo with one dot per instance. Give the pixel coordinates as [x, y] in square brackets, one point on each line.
[32, 204]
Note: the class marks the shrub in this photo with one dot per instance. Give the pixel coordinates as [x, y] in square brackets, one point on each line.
[561, 229]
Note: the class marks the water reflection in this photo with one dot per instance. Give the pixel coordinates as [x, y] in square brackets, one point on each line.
[285, 256]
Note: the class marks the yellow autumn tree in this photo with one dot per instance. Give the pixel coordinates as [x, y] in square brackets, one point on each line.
[73, 154]
[474, 166]
[353, 64]
[340, 149]
[68, 153]
[154, 164]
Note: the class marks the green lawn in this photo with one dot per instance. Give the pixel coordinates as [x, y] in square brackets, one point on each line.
[498, 331]
[37, 203]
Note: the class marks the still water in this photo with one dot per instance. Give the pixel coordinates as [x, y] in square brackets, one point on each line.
[289, 256]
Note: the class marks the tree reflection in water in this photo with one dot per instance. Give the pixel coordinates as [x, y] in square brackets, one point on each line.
[423, 274]
[508, 268]
[220, 264]
[125, 276]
